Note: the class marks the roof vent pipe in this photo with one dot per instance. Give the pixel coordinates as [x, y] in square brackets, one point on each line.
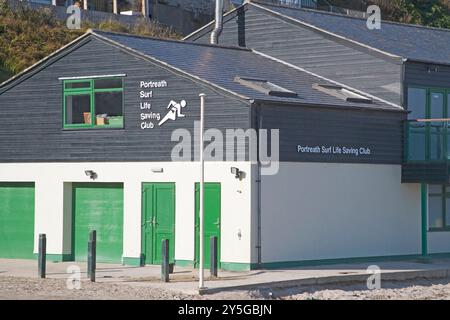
[219, 22]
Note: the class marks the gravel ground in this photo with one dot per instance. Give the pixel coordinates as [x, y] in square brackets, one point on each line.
[13, 288]
[37, 289]
[419, 289]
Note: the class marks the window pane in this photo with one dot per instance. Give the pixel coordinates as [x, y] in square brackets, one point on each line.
[436, 105]
[109, 109]
[416, 143]
[437, 136]
[435, 213]
[435, 189]
[436, 128]
[417, 101]
[114, 83]
[78, 85]
[78, 109]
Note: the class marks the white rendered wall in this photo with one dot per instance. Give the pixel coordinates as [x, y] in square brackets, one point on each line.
[313, 211]
[53, 202]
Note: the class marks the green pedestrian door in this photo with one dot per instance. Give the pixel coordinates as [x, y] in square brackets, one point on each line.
[98, 206]
[211, 225]
[16, 220]
[158, 221]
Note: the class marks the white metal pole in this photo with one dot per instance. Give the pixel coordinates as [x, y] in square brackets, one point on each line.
[202, 182]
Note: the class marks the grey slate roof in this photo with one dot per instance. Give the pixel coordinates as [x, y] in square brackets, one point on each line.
[219, 66]
[404, 40]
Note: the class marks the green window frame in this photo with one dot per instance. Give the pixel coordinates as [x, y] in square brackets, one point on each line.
[115, 122]
[429, 127]
[443, 197]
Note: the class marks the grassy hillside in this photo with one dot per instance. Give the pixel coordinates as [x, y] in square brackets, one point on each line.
[27, 36]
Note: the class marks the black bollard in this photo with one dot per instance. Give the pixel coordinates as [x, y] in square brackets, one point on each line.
[165, 260]
[92, 252]
[42, 257]
[214, 254]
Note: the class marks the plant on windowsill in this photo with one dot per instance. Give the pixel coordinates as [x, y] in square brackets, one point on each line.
[87, 117]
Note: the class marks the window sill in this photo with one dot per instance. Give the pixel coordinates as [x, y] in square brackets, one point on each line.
[426, 161]
[93, 128]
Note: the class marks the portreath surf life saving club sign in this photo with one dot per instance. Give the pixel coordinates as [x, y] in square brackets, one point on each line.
[335, 150]
[146, 94]
[151, 119]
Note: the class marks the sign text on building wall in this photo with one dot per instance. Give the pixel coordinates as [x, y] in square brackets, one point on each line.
[151, 119]
[335, 150]
[146, 94]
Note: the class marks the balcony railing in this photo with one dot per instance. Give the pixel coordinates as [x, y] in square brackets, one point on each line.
[427, 140]
[323, 5]
[311, 4]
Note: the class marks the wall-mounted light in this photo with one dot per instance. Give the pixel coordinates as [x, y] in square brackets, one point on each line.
[238, 174]
[157, 170]
[91, 174]
[432, 68]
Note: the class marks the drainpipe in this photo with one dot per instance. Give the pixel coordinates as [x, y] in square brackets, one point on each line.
[219, 22]
[201, 282]
[258, 183]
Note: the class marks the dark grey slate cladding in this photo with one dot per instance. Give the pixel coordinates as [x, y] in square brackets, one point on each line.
[433, 173]
[31, 111]
[310, 50]
[381, 132]
[418, 74]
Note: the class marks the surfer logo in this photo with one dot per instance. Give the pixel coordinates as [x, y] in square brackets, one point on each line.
[174, 112]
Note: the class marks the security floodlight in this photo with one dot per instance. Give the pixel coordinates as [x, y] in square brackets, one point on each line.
[237, 173]
[91, 174]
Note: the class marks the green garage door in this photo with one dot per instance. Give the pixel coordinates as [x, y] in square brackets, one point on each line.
[16, 220]
[98, 207]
